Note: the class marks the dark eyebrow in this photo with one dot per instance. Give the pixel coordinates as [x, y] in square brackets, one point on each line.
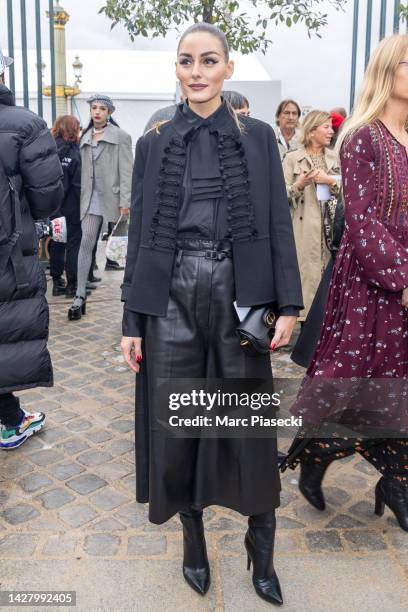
[202, 54]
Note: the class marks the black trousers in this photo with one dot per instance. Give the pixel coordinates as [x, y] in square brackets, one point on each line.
[93, 264]
[57, 259]
[73, 243]
[388, 456]
[64, 256]
[197, 340]
[10, 411]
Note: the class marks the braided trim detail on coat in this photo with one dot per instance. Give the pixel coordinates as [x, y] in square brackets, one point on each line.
[234, 173]
[165, 219]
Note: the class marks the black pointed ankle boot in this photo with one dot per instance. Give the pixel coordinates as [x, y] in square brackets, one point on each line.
[310, 481]
[389, 492]
[196, 569]
[259, 544]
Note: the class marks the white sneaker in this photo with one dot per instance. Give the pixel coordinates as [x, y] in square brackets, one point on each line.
[12, 437]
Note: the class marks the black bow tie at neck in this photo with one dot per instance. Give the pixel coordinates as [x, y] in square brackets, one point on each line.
[203, 149]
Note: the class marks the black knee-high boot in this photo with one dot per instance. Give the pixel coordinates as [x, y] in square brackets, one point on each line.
[196, 569]
[259, 543]
[389, 492]
[310, 482]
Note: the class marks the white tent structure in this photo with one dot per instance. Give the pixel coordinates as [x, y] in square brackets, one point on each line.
[140, 82]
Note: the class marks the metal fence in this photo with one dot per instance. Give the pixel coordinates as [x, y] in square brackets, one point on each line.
[385, 10]
[40, 10]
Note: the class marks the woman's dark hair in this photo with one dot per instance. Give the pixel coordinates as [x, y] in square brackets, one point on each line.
[66, 127]
[236, 99]
[90, 125]
[282, 107]
[209, 29]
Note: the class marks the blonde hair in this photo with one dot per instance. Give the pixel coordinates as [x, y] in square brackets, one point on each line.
[377, 84]
[157, 125]
[313, 120]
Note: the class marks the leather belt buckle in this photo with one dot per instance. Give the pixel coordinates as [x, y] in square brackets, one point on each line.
[211, 255]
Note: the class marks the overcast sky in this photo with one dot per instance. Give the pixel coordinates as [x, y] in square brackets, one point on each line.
[316, 72]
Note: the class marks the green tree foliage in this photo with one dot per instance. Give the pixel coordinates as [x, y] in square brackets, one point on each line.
[403, 12]
[246, 31]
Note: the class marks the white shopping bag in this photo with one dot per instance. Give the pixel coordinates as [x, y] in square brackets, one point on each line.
[59, 229]
[116, 247]
[323, 192]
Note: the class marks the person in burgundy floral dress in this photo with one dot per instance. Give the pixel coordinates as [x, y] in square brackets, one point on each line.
[364, 339]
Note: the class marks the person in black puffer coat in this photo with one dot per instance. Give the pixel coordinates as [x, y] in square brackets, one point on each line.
[28, 155]
[66, 131]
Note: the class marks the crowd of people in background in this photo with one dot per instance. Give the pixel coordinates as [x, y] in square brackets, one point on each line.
[97, 165]
[96, 196]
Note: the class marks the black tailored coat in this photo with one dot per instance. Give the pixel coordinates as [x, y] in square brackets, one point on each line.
[168, 304]
[29, 156]
[260, 229]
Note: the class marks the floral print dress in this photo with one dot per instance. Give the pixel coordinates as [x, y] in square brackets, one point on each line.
[365, 329]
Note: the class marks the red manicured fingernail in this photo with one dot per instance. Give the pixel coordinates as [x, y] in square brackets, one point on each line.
[139, 358]
[273, 346]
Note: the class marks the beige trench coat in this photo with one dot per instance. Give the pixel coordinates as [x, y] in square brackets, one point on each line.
[307, 216]
[113, 166]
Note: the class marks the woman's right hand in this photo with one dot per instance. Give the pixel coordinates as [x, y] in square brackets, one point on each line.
[404, 300]
[305, 179]
[132, 352]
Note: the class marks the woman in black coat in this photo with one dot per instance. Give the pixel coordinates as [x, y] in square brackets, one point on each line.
[307, 342]
[209, 225]
[66, 131]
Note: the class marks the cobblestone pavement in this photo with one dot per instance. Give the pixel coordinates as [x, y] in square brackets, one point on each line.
[69, 520]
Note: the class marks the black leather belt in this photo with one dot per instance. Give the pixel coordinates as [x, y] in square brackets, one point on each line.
[212, 254]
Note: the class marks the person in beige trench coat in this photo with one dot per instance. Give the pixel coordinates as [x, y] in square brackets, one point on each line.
[311, 165]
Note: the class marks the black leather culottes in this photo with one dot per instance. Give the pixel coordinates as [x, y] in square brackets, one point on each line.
[197, 339]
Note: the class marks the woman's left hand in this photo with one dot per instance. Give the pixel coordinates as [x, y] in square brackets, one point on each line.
[283, 331]
[124, 211]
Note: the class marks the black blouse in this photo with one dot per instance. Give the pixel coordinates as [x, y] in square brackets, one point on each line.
[203, 211]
